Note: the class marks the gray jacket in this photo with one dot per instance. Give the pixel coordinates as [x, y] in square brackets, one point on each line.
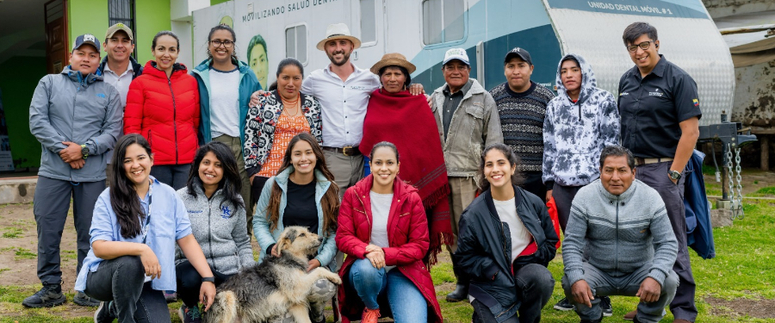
[83, 110]
[476, 124]
[221, 231]
[621, 233]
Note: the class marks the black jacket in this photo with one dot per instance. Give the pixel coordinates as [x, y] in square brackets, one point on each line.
[484, 249]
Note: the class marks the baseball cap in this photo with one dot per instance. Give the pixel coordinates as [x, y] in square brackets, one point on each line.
[518, 52]
[86, 39]
[119, 26]
[458, 54]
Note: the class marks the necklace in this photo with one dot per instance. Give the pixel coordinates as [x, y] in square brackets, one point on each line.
[291, 103]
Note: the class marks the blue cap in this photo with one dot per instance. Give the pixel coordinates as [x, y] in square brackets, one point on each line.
[86, 39]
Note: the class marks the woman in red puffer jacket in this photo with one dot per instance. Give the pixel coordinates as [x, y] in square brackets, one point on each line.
[163, 106]
[383, 230]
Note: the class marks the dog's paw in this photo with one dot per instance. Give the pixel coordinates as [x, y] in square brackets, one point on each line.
[334, 278]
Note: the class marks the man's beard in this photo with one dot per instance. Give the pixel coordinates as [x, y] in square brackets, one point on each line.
[344, 60]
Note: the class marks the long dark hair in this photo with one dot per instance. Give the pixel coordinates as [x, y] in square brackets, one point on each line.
[230, 183]
[516, 178]
[330, 201]
[123, 196]
[289, 61]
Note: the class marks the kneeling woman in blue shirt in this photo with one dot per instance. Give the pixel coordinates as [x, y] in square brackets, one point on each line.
[302, 193]
[135, 226]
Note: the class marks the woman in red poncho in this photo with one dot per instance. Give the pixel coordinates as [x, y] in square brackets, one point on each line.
[163, 106]
[406, 120]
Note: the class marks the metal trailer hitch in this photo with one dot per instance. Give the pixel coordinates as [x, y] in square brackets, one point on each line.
[732, 136]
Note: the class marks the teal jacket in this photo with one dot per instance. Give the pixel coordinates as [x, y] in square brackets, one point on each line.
[248, 83]
[261, 224]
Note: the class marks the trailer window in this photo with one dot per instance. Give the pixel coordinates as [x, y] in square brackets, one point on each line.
[296, 43]
[443, 21]
[368, 21]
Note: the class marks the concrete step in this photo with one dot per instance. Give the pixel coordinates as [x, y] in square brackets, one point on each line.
[17, 189]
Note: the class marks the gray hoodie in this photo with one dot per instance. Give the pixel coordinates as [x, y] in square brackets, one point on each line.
[576, 132]
[84, 110]
[221, 231]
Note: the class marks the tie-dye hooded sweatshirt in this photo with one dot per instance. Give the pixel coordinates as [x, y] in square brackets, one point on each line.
[576, 133]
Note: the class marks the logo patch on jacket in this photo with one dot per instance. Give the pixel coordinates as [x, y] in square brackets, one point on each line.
[225, 212]
[101, 95]
[696, 102]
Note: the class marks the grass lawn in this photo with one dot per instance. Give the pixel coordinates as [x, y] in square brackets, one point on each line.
[736, 286]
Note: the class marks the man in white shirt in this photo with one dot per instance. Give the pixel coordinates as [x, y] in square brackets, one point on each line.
[118, 68]
[343, 90]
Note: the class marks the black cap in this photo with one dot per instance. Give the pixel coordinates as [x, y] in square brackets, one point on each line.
[518, 52]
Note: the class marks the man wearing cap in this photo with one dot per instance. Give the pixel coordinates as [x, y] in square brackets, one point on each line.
[119, 68]
[76, 118]
[522, 108]
[662, 140]
[476, 125]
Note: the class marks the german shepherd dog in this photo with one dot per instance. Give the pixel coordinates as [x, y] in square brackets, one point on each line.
[278, 285]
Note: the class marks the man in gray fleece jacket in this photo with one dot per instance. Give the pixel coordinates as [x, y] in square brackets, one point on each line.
[619, 242]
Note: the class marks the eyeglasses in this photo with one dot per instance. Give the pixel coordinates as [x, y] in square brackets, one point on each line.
[226, 43]
[643, 45]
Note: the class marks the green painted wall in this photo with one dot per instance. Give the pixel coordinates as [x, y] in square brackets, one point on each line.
[86, 16]
[152, 16]
[24, 74]
[215, 2]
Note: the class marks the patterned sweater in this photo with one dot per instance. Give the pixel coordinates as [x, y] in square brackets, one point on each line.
[522, 122]
[576, 132]
[620, 233]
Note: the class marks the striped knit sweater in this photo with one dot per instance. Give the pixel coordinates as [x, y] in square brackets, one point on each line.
[620, 234]
[522, 121]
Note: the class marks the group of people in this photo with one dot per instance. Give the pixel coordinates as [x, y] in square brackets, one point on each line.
[226, 159]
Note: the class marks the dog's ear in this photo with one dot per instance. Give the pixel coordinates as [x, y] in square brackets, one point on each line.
[286, 239]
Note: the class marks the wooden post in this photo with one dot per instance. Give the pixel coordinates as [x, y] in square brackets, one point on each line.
[765, 147]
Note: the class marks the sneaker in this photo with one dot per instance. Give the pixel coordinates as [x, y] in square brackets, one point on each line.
[190, 314]
[48, 296]
[370, 316]
[563, 305]
[82, 299]
[170, 296]
[605, 305]
[103, 314]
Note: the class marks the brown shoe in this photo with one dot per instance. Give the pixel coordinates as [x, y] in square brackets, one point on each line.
[681, 321]
[631, 315]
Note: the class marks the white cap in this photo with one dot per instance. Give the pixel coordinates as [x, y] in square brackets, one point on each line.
[458, 54]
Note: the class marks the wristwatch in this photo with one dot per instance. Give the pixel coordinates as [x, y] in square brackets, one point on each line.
[208, 279]
[84, 151]
[674, 175]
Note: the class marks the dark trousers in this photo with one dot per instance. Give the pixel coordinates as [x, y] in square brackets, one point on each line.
[189, 282]
[563, 198]
[50, 206]
[655, 176]
[532, 183]
[172, 175]
[255, 190]
[534, 289]
[121, 280]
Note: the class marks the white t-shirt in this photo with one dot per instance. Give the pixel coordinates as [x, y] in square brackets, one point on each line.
[224, 103]
[520, 237]
[343, 103]
[380, 210]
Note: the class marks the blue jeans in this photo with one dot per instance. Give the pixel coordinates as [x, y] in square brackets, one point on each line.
[406, 301]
